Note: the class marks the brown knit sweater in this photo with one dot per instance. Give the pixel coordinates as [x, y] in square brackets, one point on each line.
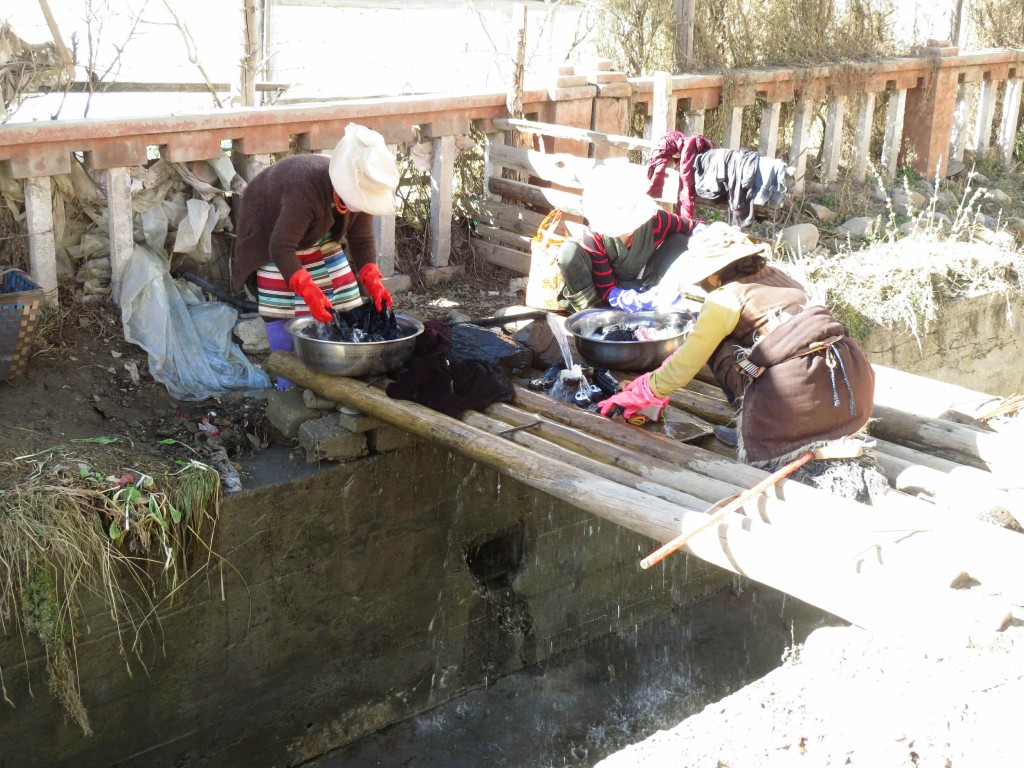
[288, 207]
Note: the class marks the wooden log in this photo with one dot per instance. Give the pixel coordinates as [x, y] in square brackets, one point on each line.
[821, 573]
[985, 450]
[928, 397]
[541, 197]
[969, 499]
[501, 256]
[573, 134]
[594, 466]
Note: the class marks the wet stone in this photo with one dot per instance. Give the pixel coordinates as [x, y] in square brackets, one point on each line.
[470, 342]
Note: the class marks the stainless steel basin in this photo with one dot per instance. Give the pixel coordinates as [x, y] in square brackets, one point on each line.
[626, 355]
[342, 358]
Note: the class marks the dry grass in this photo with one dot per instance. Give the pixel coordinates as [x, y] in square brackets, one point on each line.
[69, 532]
[898, 280]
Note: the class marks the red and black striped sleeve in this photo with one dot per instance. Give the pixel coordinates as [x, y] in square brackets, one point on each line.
[666, 224]
[600, 266]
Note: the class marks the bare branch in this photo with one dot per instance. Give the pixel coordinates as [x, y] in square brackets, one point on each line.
[192, 55]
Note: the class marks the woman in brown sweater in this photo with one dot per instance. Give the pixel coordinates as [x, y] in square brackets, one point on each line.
[799, 378]
[293, 219]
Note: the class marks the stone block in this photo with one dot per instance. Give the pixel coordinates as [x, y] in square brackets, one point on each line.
[251, 332]
[287, 411]
[388, 438]
[317, 403]
[356, 421]
[326, 440]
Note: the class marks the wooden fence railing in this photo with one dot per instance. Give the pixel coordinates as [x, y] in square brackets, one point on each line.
[928, 99]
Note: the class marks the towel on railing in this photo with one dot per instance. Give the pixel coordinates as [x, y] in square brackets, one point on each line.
[672, 144]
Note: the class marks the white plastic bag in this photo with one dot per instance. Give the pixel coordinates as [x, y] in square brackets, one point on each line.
[190, 348]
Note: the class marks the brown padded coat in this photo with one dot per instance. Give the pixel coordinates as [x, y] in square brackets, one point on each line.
[288, 207]
[792, 405]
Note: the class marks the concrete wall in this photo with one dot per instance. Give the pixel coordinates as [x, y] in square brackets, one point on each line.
[975, 342]
[355, 597]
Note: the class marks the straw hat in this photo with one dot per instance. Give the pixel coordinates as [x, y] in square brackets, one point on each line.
[363, 171]
[615, 200]
[711, 250]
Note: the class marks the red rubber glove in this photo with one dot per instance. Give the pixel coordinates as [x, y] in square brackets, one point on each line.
[635, 397]
[317, 301]
[372, 281]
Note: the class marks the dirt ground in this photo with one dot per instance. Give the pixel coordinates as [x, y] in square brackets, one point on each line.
[78, 390]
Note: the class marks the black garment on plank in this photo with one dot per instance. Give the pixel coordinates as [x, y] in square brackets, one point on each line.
[729, 174]
[450, 388]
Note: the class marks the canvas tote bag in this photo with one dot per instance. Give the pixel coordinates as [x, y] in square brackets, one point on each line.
[544, 285]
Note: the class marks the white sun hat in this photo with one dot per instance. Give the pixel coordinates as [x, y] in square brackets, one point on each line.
[363, 171]
[615, 199]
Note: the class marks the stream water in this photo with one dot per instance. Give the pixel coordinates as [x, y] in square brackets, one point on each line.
[578, 708]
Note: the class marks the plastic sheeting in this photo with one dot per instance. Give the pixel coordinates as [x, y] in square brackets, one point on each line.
[190, 348]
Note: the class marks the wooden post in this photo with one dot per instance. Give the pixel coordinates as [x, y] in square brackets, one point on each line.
[769, 137]
[862, 146]
[801, 141]
[986, 114]
[663, 106]
[683, 17]
[893, 131]
[1011, 117]
[65, 54]
[491, 169]
[250, 52]
[514, 97]
[384, 230]
[120, 221]
[250, 165]
[42, 249]
[442, 175]
[833, 137]
[695, 122]
[960, 118]
[733, 129]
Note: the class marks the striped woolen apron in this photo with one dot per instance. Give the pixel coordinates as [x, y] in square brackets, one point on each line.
[327, 265]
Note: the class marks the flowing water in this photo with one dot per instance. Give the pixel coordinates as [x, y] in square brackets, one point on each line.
[580, 707]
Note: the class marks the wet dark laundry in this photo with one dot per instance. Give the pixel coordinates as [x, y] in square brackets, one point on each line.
[634, 331]
[582, 386]
[362, 324]
[451, 388]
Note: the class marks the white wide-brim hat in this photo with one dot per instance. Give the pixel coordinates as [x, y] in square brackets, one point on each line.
[615, 200]
[363, 171]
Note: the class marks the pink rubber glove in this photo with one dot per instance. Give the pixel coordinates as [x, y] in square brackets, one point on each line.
[372, 281]
[635, 397]
[316, 300]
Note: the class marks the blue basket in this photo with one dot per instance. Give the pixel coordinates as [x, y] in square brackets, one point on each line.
[20, 299]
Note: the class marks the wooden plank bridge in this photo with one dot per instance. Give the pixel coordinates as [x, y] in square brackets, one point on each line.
[906, 564]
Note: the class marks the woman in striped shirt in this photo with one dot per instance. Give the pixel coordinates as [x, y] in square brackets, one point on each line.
[627, 248]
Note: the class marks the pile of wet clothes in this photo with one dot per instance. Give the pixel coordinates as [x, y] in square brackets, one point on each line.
[363, 324]
[578, 385]
[450, 387]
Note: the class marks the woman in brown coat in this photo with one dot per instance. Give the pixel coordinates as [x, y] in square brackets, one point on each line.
[293, 219]
[799, 378]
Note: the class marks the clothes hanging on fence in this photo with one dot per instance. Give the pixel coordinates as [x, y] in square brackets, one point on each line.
[770, 182]
[664, 153]
[731, 175]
